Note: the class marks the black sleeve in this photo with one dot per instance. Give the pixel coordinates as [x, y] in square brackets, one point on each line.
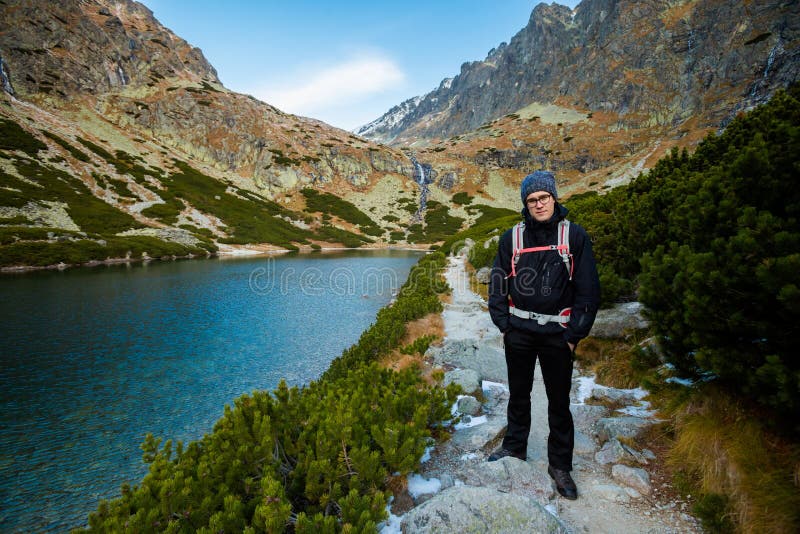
[587, 288]
[498, 283]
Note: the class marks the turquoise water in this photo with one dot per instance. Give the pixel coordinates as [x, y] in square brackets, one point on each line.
[93, 359]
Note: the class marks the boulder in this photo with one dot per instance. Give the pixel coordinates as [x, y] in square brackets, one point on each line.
[479, 437]
[485, 357]
[467, 509]
[469, 380]
[616, 427]
[483, 274]
[633, 477]
[585, 416]
[625, 396]
[468, 405]
[584, 445]
[612, 452]
[614, 322]
[511, 475]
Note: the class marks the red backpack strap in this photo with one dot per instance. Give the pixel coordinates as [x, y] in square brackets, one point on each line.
[563, 246]
[517, 242]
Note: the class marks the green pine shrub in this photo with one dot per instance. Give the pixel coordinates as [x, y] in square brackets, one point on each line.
[14, 137]
[347, 211]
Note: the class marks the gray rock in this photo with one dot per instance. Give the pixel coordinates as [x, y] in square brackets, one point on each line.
[584, 445]
[469, 405]
[485, 357]
[511, 475]
[633, 477]
[466, 509]
[648, 454]
[483, 274]
[469, 380]
[447, 481]
[614, 323]
[612, 452]
[585, 416]
[488, 242]
[614, 395]
[610, 492]
[616, 427]
[479, 437]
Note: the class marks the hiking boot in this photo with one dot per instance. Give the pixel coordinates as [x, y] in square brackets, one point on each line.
[502, 453]
[564, 484]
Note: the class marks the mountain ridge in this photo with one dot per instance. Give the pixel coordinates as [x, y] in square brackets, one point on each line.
[664, 61]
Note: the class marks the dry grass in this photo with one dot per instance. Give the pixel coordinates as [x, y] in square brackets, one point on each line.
[728, 451]
[610, 360]
[431, 324]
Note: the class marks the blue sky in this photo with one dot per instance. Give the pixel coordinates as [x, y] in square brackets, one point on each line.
[345, 62]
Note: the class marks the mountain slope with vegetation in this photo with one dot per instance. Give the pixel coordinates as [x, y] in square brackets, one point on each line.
[100, 96]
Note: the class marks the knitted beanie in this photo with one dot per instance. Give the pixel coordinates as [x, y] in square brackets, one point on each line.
[538, 181]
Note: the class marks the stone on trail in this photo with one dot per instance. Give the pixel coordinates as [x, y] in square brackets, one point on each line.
[611, 453]
[466, 509]
[634, 477]
[486, 357]
[474, 439]
[620, 427]
[586, 415]
[511, 475]
[584, 445]
[468, 379]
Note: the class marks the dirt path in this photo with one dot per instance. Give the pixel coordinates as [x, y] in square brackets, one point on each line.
[605, 504]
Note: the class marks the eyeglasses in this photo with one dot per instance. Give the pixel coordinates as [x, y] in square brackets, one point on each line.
[544, 200]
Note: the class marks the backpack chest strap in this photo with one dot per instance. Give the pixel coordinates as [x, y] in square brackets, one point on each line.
[517, 237]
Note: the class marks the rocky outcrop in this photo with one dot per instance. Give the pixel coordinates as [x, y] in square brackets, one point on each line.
[90, 47]
[654, 63]
[479, 510]
[618, 320]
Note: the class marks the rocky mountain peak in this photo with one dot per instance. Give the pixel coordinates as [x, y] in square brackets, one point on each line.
[92, 47]
[656, 63]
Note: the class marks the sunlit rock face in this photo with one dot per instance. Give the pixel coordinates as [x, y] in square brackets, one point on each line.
[654, 63]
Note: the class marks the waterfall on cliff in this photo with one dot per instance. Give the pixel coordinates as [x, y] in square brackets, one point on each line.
[422, 175]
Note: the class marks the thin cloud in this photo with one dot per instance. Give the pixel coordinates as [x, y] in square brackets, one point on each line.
[337, 85]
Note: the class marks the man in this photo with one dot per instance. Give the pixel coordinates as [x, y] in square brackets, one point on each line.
[544, 302]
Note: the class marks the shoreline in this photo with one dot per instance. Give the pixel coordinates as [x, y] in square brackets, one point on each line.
[225, 251]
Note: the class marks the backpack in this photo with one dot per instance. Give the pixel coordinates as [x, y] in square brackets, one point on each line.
[563, 250]
[562, 247]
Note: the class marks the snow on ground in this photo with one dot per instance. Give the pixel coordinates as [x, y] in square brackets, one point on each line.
[587, 384]
[391, 525]
[681, 381]
[419, 485]
[468, 422]
[427, 454]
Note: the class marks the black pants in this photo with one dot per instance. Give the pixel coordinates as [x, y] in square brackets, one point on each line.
[555, 358]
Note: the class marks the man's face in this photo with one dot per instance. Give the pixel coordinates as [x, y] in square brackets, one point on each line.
[540, 205]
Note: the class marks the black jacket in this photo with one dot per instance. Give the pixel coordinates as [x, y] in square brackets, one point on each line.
[542, 282]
